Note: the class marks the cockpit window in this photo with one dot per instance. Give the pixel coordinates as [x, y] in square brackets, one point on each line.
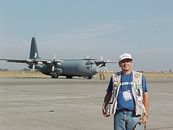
[88, 67]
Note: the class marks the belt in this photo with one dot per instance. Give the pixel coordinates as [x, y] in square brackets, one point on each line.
[125, 110]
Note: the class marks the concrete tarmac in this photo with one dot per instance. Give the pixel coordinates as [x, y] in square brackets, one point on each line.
[75, 104]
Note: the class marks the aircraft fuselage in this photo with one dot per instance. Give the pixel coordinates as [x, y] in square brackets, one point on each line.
[69, 68]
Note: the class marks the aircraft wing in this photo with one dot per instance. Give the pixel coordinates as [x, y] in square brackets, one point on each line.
[48, 61]
[89, 59]
[17, 60]
[33, 62]
[27, 61]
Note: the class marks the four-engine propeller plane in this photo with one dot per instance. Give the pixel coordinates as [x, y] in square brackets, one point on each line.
[63, 67]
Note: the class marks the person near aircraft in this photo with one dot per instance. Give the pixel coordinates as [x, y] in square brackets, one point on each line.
[102, 75]
[127, 97]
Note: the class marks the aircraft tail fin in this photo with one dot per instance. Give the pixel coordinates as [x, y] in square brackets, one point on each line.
[33, 49]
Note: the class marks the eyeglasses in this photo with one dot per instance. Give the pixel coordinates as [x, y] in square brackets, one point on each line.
[126, 60]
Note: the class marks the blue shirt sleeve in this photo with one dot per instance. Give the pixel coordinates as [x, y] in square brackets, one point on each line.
[110, 86]
[144, 85]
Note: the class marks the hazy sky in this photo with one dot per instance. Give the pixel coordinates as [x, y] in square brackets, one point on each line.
[81, 28]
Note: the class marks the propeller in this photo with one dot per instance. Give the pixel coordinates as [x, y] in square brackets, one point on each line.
[90, 60]
[102, 62]
[54, 63]
[99, 63]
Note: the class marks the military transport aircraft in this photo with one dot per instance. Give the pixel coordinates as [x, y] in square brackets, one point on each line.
[64, 67]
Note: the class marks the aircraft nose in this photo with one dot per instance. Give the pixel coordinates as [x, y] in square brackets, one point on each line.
[94, 71]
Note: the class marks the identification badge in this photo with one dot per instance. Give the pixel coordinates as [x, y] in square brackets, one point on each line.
[127, 95]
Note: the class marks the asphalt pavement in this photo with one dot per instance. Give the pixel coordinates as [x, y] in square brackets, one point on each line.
[72, 104]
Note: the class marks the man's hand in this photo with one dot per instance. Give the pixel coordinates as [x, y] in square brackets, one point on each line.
[104, 111]
[105, 104]
[144, 118]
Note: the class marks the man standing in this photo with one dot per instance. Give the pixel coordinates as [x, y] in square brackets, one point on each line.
[127, 97]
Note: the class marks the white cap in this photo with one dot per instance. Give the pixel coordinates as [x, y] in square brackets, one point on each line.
[125, 56]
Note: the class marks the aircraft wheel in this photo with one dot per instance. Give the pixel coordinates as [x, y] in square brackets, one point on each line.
[89, 77]
[54, 76]
[69, 77]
